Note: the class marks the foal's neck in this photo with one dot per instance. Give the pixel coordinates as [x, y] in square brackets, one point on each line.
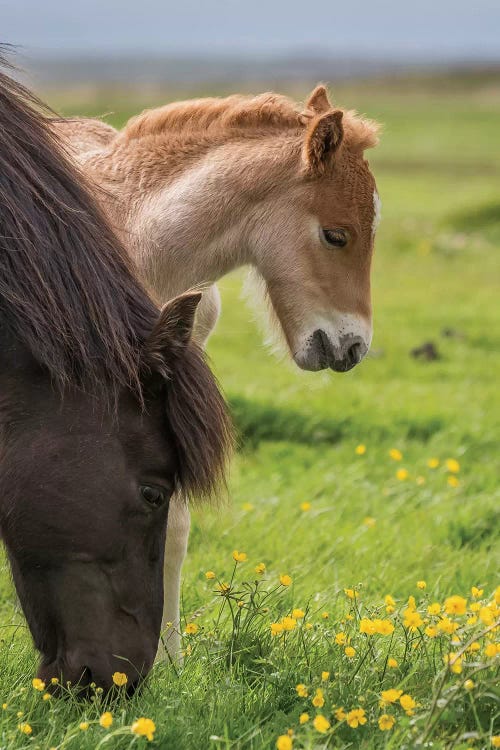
[188, 224]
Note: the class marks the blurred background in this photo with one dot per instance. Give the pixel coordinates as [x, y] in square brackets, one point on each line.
[100, 50]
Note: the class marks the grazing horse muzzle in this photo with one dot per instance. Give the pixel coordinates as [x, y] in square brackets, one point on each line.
[320, 353]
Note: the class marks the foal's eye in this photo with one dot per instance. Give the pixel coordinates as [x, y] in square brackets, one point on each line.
[334, 237]
[153, 495]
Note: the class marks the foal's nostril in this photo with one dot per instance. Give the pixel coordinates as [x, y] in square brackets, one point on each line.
[354, 354]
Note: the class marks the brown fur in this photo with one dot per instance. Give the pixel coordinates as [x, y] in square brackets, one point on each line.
[243, 115]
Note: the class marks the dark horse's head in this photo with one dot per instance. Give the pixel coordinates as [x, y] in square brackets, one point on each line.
[106, 409]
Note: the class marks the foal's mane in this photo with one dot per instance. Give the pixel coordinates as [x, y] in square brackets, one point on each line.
[239, 116]
[66, 289]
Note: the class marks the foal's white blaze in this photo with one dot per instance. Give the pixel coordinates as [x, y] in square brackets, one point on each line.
[377, 212]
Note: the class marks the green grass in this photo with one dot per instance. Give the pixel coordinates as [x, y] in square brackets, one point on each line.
[436, 268]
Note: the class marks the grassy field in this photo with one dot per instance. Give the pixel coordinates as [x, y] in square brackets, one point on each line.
[315, 494]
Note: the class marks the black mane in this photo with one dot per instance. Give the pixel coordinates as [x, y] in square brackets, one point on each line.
[66, 287]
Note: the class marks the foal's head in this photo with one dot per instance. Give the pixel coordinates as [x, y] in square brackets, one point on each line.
[106, 409]
[313, 244]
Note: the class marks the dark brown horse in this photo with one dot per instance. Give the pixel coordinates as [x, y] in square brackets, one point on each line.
[106, 409]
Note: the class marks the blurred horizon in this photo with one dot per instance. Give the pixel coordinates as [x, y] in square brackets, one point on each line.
[223, 41]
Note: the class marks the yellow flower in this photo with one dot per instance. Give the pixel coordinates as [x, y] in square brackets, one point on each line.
[454, 662]
[412, 619]
[106, 720]
[390, 696]
[477, 593]
[495, 740]
[395, 454]
[84, 725]
[239, 556]
[247, 507]
[38, 684]
[474, 646]
[325, 615]
[289, 623]
[285, 580]
[360, 449]
[120, 679]
[284, 742]
[299, 614]
[392, 663]
[366, 626]
[431, 631]
[302, 691]
[241, 603]
[46, 696]
[383, 627]
[421, 585]
[369, 522]
[434, 609]
[469, 685]
[408, 704]
[433, 463]
[144, 728]
[325, 676]
[402, 474]
[340, 714]
[349, 651]
[386, 722]
[389, 600]
[321, 724]
[303, 718]
[210, 575]
[24, 728]
[491, 650]
[260, 568]
[305, 506]
[191, 628]
[486, 615]
[276, 628]
[223, 588]
[452, 465]
[340, 639]
[356, 717]
[455, 605]
[308, 626]
[54, 680]
[351, 593]
[318, 701]
[447, 625]
[453, 481]
[4, 706]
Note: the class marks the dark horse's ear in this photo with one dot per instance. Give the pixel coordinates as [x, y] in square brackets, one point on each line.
[323, 139]
[171, 333]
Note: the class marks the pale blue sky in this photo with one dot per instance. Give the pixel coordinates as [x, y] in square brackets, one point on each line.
[381, 28]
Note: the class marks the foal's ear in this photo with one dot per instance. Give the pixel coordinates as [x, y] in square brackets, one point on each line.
[318, 100]
[171, 332]
[323, 139]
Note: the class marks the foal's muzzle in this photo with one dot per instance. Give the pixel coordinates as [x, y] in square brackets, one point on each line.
[320, 353]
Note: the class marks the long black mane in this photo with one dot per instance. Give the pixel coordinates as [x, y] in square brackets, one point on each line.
[66, 288]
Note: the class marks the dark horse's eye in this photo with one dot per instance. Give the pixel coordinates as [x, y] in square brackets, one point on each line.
[334, 237]
[153, 495]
